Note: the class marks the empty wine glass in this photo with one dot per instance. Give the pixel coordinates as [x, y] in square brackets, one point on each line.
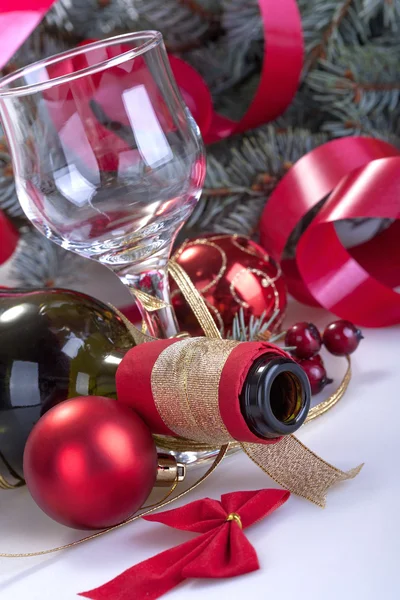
[108, 160]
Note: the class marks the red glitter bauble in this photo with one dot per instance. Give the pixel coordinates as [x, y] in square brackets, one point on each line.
[230, 272]
[90, 462]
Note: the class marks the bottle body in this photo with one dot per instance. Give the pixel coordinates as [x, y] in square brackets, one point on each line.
[55, 345]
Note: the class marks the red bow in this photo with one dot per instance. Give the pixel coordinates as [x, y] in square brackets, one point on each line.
[221, 551]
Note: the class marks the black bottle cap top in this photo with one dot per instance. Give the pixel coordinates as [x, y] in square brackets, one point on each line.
[275, 398]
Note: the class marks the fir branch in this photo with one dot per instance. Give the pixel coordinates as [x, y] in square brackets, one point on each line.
[222, 67]
[49, 33]
[243, 218]
[360, 86]
[181, 26]
[39, 263]
[243, 24]
[347, 121]
[200, 10]
[321, 49]
[58, 17]
[231, 66]
[388, 11]
[224, 192]
[252, 329]
[40, 44]
[9, 203]
[242, 172]
[76, 20]
[328, 26]
[303, 112]
[234, 96]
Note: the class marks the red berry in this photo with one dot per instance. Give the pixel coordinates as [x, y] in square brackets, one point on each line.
[341, 338]
[316, 374]
[317, 359]
[305, 339]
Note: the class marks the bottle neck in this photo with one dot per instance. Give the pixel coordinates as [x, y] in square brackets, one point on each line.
[275, 397]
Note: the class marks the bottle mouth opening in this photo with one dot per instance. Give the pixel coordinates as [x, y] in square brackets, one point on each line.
[286, 397]
[276, 397]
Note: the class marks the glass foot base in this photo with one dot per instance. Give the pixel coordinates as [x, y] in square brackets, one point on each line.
[199, 459]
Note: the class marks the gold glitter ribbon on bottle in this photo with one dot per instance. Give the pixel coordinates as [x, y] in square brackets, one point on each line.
[185, 385]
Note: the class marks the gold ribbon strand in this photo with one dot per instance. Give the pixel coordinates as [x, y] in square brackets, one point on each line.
[165, 502]
[4, 483]
[194, 299]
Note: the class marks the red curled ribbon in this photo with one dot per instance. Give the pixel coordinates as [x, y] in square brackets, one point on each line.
[280, 74]
[362, 176]
[18, 18]
[221, 551]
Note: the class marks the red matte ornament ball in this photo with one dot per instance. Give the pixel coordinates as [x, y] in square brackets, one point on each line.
[305, 339]
[341, 338]
[90, 462]
[231, 272]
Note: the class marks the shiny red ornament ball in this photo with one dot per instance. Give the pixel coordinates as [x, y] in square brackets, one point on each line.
[341, 338]
[230, 272]
[305, 340]
[90, 462]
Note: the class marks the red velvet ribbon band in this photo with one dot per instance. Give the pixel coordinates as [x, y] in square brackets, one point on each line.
[221, 551]
[133, 382]
[362, 178]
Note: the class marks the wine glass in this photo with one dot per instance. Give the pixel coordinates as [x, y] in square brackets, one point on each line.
[108, 161]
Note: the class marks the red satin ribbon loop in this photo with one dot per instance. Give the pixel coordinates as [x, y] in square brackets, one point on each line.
[363, 177]
[280, 74]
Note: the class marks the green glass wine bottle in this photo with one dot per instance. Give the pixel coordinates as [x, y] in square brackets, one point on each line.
[54, 344]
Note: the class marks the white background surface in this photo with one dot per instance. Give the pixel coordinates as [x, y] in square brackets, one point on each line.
[350, 550]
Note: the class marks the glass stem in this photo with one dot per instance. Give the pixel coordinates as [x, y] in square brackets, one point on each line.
[149, 285]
